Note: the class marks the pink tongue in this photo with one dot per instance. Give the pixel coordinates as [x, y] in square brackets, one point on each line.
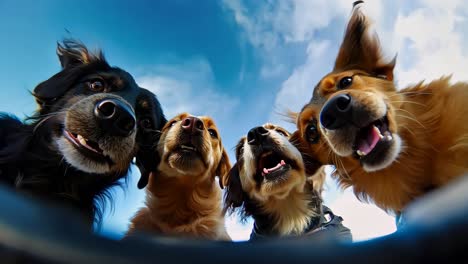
[266, 171]
[367, 145]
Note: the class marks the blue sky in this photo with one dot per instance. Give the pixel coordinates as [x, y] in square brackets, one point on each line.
[239, 61]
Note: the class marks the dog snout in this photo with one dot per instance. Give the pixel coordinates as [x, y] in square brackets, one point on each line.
[257, 135]
[116, 118]
[337, 112]
[192, 124]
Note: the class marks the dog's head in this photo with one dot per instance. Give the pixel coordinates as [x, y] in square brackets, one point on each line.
[89, 107]
[190, 147]
[268, 166]
[358, 100]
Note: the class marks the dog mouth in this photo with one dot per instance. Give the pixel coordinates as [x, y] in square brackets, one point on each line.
[87, 147]
[274, 166]
[370, 137]
[188, 149]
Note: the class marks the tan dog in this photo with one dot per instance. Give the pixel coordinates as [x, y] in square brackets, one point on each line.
[269, 183]
[183, 197]
[390, 145]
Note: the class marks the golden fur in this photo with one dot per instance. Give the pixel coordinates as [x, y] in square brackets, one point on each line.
[285, 204]
[428, 123]
[183, 197]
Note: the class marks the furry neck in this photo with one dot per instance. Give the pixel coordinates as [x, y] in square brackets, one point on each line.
[292, 215]
[36, 167]
[182, 198]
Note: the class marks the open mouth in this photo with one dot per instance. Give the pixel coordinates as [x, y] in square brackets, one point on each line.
[187, 149]
[272, 165]
[370, 136]
[84, 145]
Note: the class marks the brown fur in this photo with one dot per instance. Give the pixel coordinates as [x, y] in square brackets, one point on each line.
[431, 120]
[183, 197]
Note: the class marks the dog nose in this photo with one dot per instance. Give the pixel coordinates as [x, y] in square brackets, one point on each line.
[116, 118]
[191, 124]
[256, 135]
[336, 112]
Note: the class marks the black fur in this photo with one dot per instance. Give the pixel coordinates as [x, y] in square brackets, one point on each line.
[149, 125]
[30, 161]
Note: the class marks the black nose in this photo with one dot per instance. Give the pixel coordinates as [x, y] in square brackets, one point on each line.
[193, 124]
[256, 135]
[337, 112]
[115, 117]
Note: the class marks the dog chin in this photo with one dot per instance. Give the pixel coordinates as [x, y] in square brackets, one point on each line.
[339, 141]
[78, 160]
[182, 165]
[390, 156]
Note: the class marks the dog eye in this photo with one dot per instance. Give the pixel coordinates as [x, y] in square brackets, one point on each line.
[172, 123]
[312, 133]
[146, 123]
[345, 82]
[213, 133]
[282, 133]
[96, 86]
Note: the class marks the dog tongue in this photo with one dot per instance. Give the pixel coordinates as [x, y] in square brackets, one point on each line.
[366, 145]
[266, 171]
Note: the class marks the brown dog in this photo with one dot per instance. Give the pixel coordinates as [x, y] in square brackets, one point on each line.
[390, 145]
[183, 197]
[269, 183]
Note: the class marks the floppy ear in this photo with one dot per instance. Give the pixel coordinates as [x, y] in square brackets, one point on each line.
[318, 179]
[223, 168]
[150, 120]
[234, 195]
[361, 48]
[311, 163]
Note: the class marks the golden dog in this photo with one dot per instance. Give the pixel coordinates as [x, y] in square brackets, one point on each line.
[390, 145]
[183, 197]
[269, 183]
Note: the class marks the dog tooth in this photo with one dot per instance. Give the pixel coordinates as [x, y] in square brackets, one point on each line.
[378, 132]
[360, 153]
[265, 170]
[282, 163]
[388, 137]
[81, 139]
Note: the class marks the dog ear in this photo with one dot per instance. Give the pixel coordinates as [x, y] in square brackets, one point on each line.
[150, 120]
[310, 162]
[234, 195]
[318, 179]
[72, 54]
[361, 48]
[223, 168]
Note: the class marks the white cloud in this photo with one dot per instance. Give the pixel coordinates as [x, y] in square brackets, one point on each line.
[431, 36]
[188, 87]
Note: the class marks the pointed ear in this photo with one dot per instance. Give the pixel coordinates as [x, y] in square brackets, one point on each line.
[223, 168]
[73, 53]
[361, 48]
[234, 195]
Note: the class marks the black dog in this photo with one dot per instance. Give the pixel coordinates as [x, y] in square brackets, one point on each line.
[84, 135]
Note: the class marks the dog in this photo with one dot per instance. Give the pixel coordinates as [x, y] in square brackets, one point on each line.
[182, 196]
[269, 183]
[390, 145]
[81, 140]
